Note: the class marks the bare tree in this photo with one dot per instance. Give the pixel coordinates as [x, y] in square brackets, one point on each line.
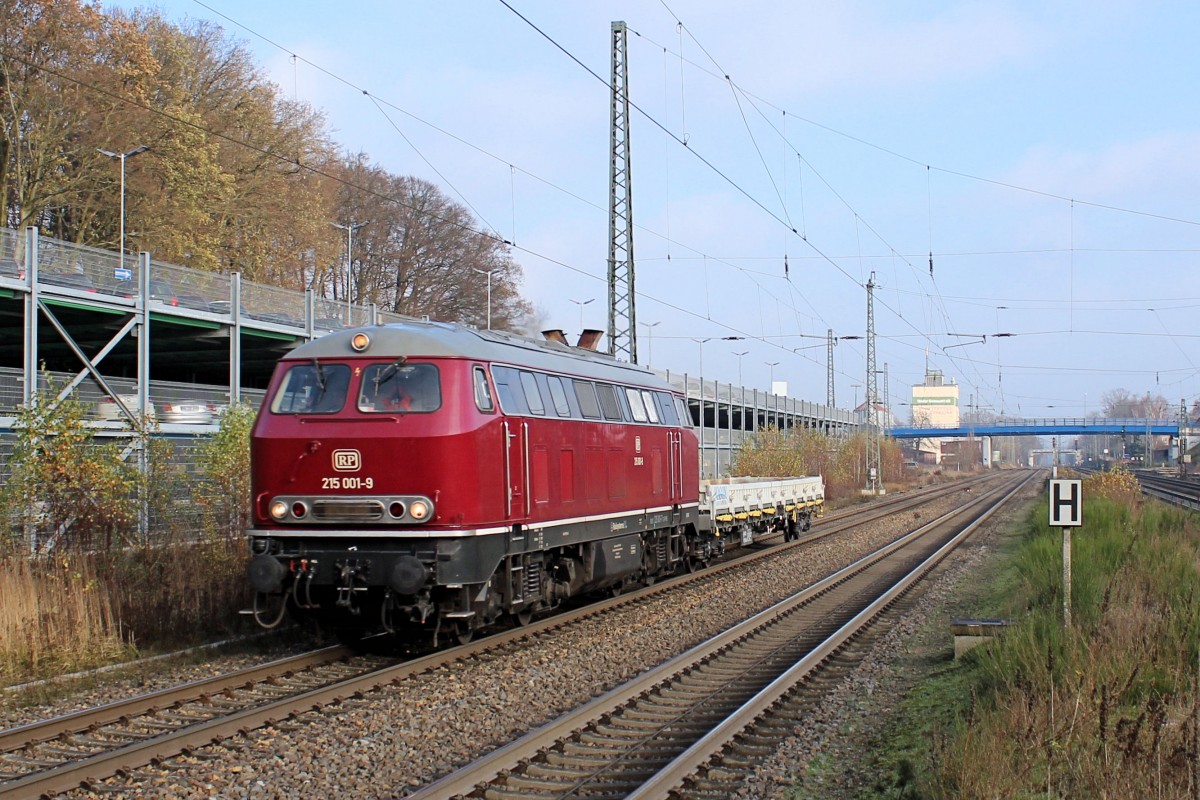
[423, 254]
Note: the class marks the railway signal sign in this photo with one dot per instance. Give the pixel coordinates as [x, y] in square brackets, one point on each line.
[1066, 503]
[1066, 512]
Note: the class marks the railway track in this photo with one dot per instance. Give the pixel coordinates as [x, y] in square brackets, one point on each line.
[56, 754]
[81, 748]
[700, 718]
[1176, 491]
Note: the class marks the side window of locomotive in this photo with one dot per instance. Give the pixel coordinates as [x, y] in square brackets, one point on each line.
[558, 395]
[608, 401]
[483, 392]
[312, 388]
[666, 409]
[533, 397]
[585, 392]
[651, 408]
[636, 406]
[508, 389]
[400, 387]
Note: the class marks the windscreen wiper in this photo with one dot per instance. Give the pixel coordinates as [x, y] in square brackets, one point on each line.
[388, 372]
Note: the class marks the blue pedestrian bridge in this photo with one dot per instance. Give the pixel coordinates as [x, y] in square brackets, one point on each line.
[1080, 426]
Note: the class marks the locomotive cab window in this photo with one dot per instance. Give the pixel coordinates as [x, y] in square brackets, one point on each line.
[666, 409]
[685, 416]
[483, 392]
[312, 388]
[400, 387]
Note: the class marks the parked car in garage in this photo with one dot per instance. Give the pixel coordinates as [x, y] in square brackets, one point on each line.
[188, 412]
[107, 409]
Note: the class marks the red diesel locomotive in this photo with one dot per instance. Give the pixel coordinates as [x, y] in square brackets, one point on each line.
[428, 479]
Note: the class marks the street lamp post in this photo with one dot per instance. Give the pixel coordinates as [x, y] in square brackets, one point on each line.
[739, 355]
[650, 326]
[349, 229]
[488, 272]
[121, 157]
[709, 339]
[581, 304]
[772, 365]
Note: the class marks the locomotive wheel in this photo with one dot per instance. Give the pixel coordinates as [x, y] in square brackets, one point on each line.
[463, 632]
[522, 618]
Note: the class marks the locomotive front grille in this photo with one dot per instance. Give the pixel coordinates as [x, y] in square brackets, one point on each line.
[349, 510]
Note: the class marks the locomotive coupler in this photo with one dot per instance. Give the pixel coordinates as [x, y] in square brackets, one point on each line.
[350, 574]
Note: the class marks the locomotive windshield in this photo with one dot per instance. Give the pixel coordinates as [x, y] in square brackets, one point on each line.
[312, 388]
[400, 387]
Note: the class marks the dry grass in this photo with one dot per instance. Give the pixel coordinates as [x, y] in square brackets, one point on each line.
[1111, 707]
[55, 617]
[106, 587]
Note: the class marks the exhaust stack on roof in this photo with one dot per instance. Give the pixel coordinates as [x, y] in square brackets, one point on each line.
[555, 335]
[590, 338]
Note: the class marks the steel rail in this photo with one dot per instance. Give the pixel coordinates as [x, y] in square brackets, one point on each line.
[471, 778]
[66, 776]
[703, 751]
[22, 736]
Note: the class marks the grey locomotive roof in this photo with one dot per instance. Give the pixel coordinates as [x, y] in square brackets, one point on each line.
[447, 340]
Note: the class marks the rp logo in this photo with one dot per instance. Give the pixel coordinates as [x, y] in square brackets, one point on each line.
[347, 460]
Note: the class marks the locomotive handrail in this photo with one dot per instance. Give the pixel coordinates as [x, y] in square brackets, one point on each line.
[525, 467]
[507, 470]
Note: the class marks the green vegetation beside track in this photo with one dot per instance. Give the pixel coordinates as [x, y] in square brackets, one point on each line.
[1106, 709]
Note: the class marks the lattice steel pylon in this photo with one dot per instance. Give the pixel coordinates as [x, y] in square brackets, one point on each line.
[622, 316]
[829, 369]
[874, 431]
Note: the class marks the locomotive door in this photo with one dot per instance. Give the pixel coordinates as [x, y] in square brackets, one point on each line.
[516, 469]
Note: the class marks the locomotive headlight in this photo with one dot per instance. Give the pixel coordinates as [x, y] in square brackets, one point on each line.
[279, 510]
[360, 342]
[418, 510]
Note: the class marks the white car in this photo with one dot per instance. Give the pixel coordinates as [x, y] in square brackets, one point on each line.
[188, 412]
[108, 410]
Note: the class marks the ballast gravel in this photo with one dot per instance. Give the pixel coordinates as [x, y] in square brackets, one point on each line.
[404, 736]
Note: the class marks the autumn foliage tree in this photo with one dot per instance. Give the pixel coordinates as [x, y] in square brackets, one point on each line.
[238, 177]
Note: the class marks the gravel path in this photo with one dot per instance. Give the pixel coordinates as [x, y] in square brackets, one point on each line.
[407, 735]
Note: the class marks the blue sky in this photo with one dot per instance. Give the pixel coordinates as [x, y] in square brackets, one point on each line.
[1048, 154]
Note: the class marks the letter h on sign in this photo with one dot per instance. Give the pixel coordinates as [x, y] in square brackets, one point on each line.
[1066, 503]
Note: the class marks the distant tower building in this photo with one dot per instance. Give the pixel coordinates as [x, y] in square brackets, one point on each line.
[934, 405]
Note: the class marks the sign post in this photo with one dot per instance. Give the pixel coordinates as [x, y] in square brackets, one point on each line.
[1066, 512]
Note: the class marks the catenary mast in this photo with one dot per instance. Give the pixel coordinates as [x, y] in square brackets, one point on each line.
[622, 320]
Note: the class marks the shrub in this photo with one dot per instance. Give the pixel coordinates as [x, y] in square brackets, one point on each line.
[65, 491]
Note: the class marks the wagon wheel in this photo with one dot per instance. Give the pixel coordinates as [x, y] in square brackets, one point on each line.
[463, 632]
